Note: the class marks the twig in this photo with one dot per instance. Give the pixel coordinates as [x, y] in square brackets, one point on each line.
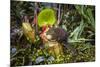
[80, 40]
[59, 15]
[15, 58]
[26, 19]
[18, 52]
[23, 61]
[35, 13]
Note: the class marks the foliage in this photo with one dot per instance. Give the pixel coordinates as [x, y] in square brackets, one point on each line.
[46, 17]
[77, 20]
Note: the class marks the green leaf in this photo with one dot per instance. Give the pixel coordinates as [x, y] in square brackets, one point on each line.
[46, 17]
[77, 31]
